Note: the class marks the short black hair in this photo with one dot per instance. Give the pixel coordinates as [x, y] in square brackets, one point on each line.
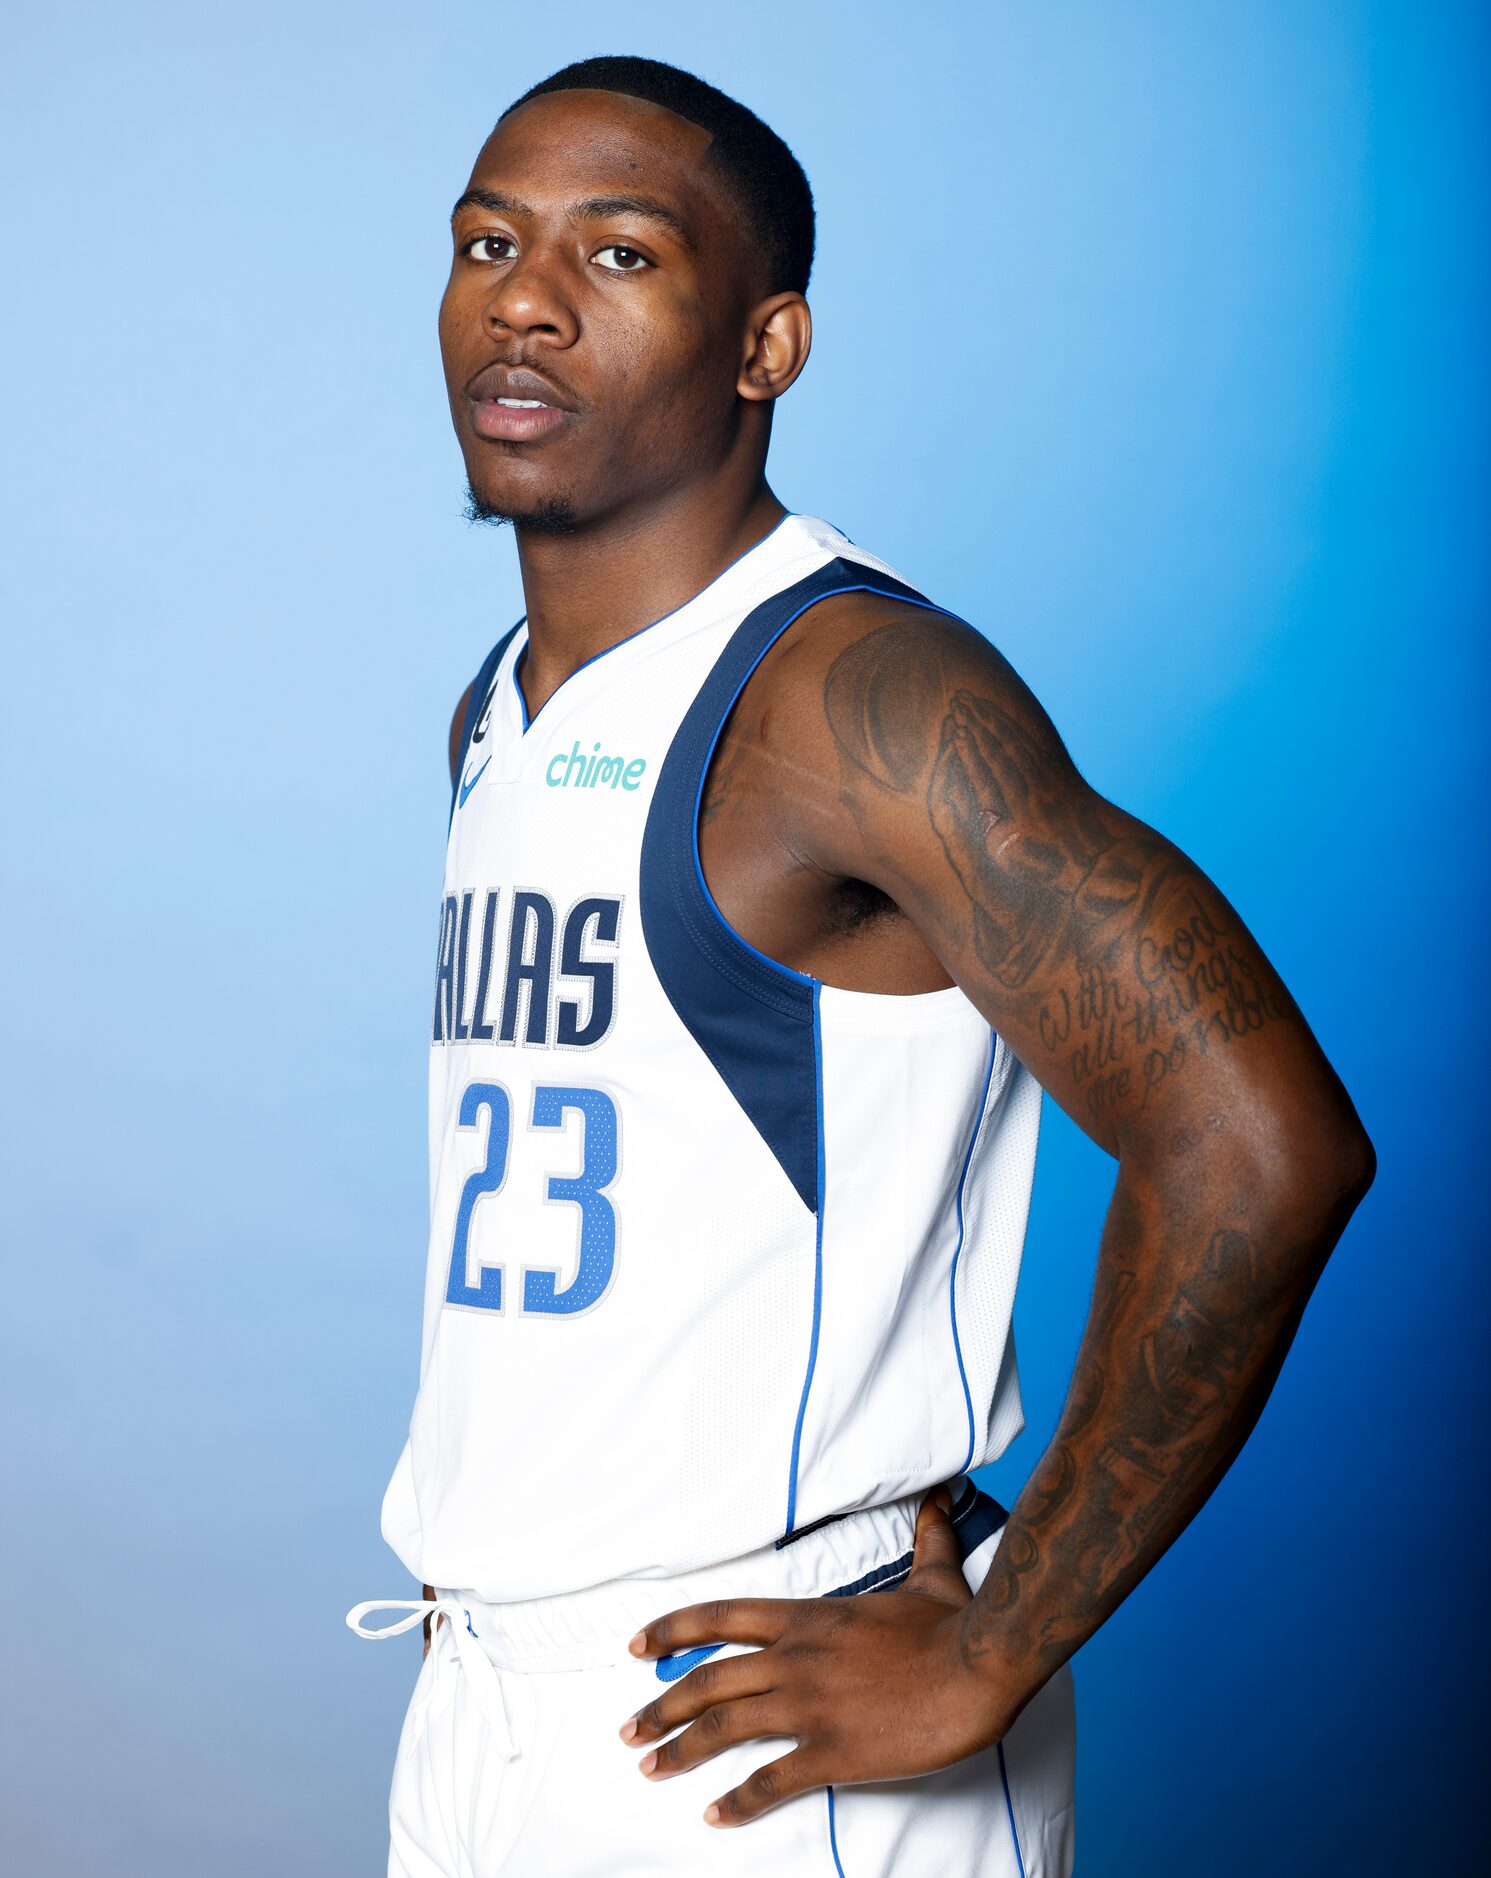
[767, 179]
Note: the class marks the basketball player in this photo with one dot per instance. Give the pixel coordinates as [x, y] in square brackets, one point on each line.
[772, 901]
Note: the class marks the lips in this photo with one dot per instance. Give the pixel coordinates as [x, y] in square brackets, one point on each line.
[511, 404]
[506, 423]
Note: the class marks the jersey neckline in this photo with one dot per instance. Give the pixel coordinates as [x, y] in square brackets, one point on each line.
[526, 722]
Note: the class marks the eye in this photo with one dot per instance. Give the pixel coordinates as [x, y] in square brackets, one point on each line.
[626, 261]
[473, 249]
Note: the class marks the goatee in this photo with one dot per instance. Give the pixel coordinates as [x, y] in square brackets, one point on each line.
[555, 515]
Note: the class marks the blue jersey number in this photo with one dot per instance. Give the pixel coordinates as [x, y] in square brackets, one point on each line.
[488, 1178]
[586, 1190]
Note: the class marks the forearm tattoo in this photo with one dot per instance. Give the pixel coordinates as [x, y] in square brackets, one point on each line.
[1167, 1387]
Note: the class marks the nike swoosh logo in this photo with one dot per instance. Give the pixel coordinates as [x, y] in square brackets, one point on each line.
[468, 784]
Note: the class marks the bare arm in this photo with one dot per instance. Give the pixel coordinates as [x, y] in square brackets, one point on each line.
[1120, 975]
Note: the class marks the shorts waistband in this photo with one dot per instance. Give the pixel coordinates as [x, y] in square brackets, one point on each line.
[866, 1550]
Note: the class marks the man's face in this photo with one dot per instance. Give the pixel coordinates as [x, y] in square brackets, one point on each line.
[592, 326]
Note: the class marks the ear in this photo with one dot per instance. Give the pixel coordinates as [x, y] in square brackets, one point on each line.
[778, 338]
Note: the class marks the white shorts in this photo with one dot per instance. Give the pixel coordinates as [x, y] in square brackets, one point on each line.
[511, 1762]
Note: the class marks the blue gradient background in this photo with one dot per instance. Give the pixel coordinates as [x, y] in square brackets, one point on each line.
[1152, 338]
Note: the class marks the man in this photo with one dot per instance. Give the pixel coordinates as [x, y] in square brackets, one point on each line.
[772, 900]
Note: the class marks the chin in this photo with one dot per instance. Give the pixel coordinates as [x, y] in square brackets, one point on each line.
[552, 514]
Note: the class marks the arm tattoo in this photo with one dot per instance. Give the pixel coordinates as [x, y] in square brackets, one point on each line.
[1115, 965]
[1121, 959]
[1168, 1385]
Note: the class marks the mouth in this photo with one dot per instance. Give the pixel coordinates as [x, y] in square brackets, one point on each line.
[510, 404]
[515, 420]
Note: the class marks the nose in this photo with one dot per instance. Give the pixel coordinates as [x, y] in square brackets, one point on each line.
[529, 301]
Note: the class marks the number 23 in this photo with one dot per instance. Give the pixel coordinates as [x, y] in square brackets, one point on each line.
[483, 1288]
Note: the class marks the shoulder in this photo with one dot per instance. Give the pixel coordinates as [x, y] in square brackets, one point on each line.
[884, 684]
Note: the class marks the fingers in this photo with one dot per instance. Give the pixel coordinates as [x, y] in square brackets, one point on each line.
[708, 1686]
[936, 1562]
[723, 1620]
[779, 1780]
[724, 1703]
[720, 1726]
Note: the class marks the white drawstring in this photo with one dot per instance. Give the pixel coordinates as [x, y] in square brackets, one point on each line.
[481, 1675]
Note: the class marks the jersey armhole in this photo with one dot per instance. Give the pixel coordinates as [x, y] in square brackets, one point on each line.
[753, 1017]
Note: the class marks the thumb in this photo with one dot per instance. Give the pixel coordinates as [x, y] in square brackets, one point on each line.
[934, 1550]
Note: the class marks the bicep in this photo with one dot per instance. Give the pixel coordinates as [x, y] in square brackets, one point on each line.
[1108, 961]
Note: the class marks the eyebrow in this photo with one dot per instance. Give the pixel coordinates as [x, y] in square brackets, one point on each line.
[592, 209]
[601, 208]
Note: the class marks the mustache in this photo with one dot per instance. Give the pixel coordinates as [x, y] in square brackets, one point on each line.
[501, 378]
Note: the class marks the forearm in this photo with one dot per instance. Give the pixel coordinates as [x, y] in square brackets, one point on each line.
[1196, 1302]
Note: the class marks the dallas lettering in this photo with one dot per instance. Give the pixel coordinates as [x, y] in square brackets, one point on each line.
[509, 986]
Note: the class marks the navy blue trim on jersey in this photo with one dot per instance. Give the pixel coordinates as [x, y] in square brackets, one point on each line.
[476, 697]
[975, 1516]
[523, 718]
[752, 1017]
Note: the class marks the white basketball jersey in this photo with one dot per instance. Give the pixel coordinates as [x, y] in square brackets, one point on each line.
[716, 1251]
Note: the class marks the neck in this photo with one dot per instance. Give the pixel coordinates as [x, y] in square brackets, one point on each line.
[589, 590]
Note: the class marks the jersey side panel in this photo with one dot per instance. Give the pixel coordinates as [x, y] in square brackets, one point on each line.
[902, 1086]
[996, 1212]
